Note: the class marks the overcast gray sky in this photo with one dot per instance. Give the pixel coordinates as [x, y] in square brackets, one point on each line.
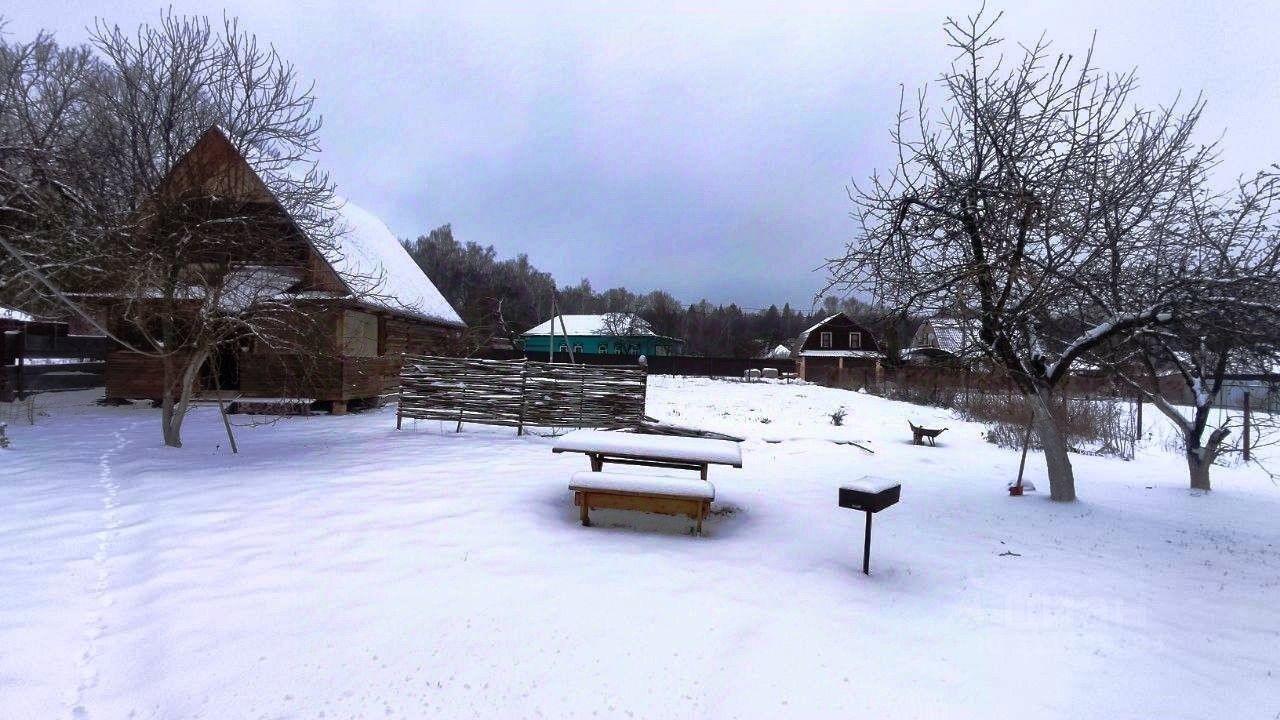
[704, 151]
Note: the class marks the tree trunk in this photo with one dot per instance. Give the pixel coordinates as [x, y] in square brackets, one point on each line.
[1200, 459]
[1062, 481]
[1199, 470]
[166, 403]
[173, 413]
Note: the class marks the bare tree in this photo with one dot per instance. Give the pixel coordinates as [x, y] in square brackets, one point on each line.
[48, 204]
[1232, 246]
[623, 324]
[1031, 196]
[196, 253]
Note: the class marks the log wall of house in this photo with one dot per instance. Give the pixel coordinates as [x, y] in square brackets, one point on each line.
[831, 371]
[135, 376]
[267, 374]
[414, 337]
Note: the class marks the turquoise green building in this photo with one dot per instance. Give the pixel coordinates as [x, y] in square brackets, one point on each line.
[609, 334]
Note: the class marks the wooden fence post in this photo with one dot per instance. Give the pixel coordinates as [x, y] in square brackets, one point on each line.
[8, 351]
[524, 373]
[19, 353]
[582, 393]
[1247, 424]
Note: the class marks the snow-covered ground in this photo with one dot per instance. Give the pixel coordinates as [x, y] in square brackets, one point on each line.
[338, 568]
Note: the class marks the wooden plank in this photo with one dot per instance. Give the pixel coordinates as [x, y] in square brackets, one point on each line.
[691, 508]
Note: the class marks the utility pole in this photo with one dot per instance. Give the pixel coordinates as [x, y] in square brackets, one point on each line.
[555, 314]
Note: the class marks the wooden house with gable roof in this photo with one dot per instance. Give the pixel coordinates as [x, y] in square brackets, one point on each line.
[366, 300]
[836, 350]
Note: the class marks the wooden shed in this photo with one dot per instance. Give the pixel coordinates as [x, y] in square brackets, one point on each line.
[838, 350]
[365, 334]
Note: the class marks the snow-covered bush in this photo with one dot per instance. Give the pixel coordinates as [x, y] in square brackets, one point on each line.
[837, 417]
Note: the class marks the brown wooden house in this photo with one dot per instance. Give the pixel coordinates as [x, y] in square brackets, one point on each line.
[366, 300]
[837, 351]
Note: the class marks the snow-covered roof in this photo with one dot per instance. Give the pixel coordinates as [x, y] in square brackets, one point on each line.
[608, 324]
[371, 261]
[367, 257]
[953, 335]
[819, 324]
[781, 352]
[842, 353]
[8, 313]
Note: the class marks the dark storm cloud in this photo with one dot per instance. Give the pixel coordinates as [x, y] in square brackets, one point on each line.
[701, 151]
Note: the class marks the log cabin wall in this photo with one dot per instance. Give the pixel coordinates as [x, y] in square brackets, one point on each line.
[414, 337]
[136, 376]
[329, 376]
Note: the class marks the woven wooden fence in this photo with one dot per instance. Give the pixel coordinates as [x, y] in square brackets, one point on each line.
[520, 393]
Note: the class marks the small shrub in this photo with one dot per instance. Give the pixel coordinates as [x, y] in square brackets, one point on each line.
[837, 417]
[1094, 426]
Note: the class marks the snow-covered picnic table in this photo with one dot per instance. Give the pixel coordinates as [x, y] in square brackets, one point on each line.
[668, 451]
[646, 493]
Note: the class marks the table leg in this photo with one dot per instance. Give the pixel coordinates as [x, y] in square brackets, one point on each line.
[866, 547]
[582, 510]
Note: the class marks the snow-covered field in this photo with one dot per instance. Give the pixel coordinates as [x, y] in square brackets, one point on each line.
[338, 568]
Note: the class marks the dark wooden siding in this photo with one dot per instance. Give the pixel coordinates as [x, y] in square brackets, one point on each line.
[133, 375]
[840, 327]
[267, 374]
[831, 371]
[415, 337]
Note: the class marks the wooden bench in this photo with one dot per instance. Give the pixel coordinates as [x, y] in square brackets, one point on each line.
[664, 451]
[660, 494]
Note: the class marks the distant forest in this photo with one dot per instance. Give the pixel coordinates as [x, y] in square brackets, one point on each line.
[501, 298]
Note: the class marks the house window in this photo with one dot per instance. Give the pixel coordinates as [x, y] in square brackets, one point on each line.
[824, 340]
[577, 349]
[564, 348]
[855, 340]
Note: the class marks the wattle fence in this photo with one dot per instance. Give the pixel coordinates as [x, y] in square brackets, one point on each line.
[521, 393]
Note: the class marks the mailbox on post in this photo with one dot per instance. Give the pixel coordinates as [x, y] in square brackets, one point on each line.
[871, 495]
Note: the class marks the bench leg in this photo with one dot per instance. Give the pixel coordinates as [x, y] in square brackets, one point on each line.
[702, 513]
[704, 471]
[597, 463]
[582, 510]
